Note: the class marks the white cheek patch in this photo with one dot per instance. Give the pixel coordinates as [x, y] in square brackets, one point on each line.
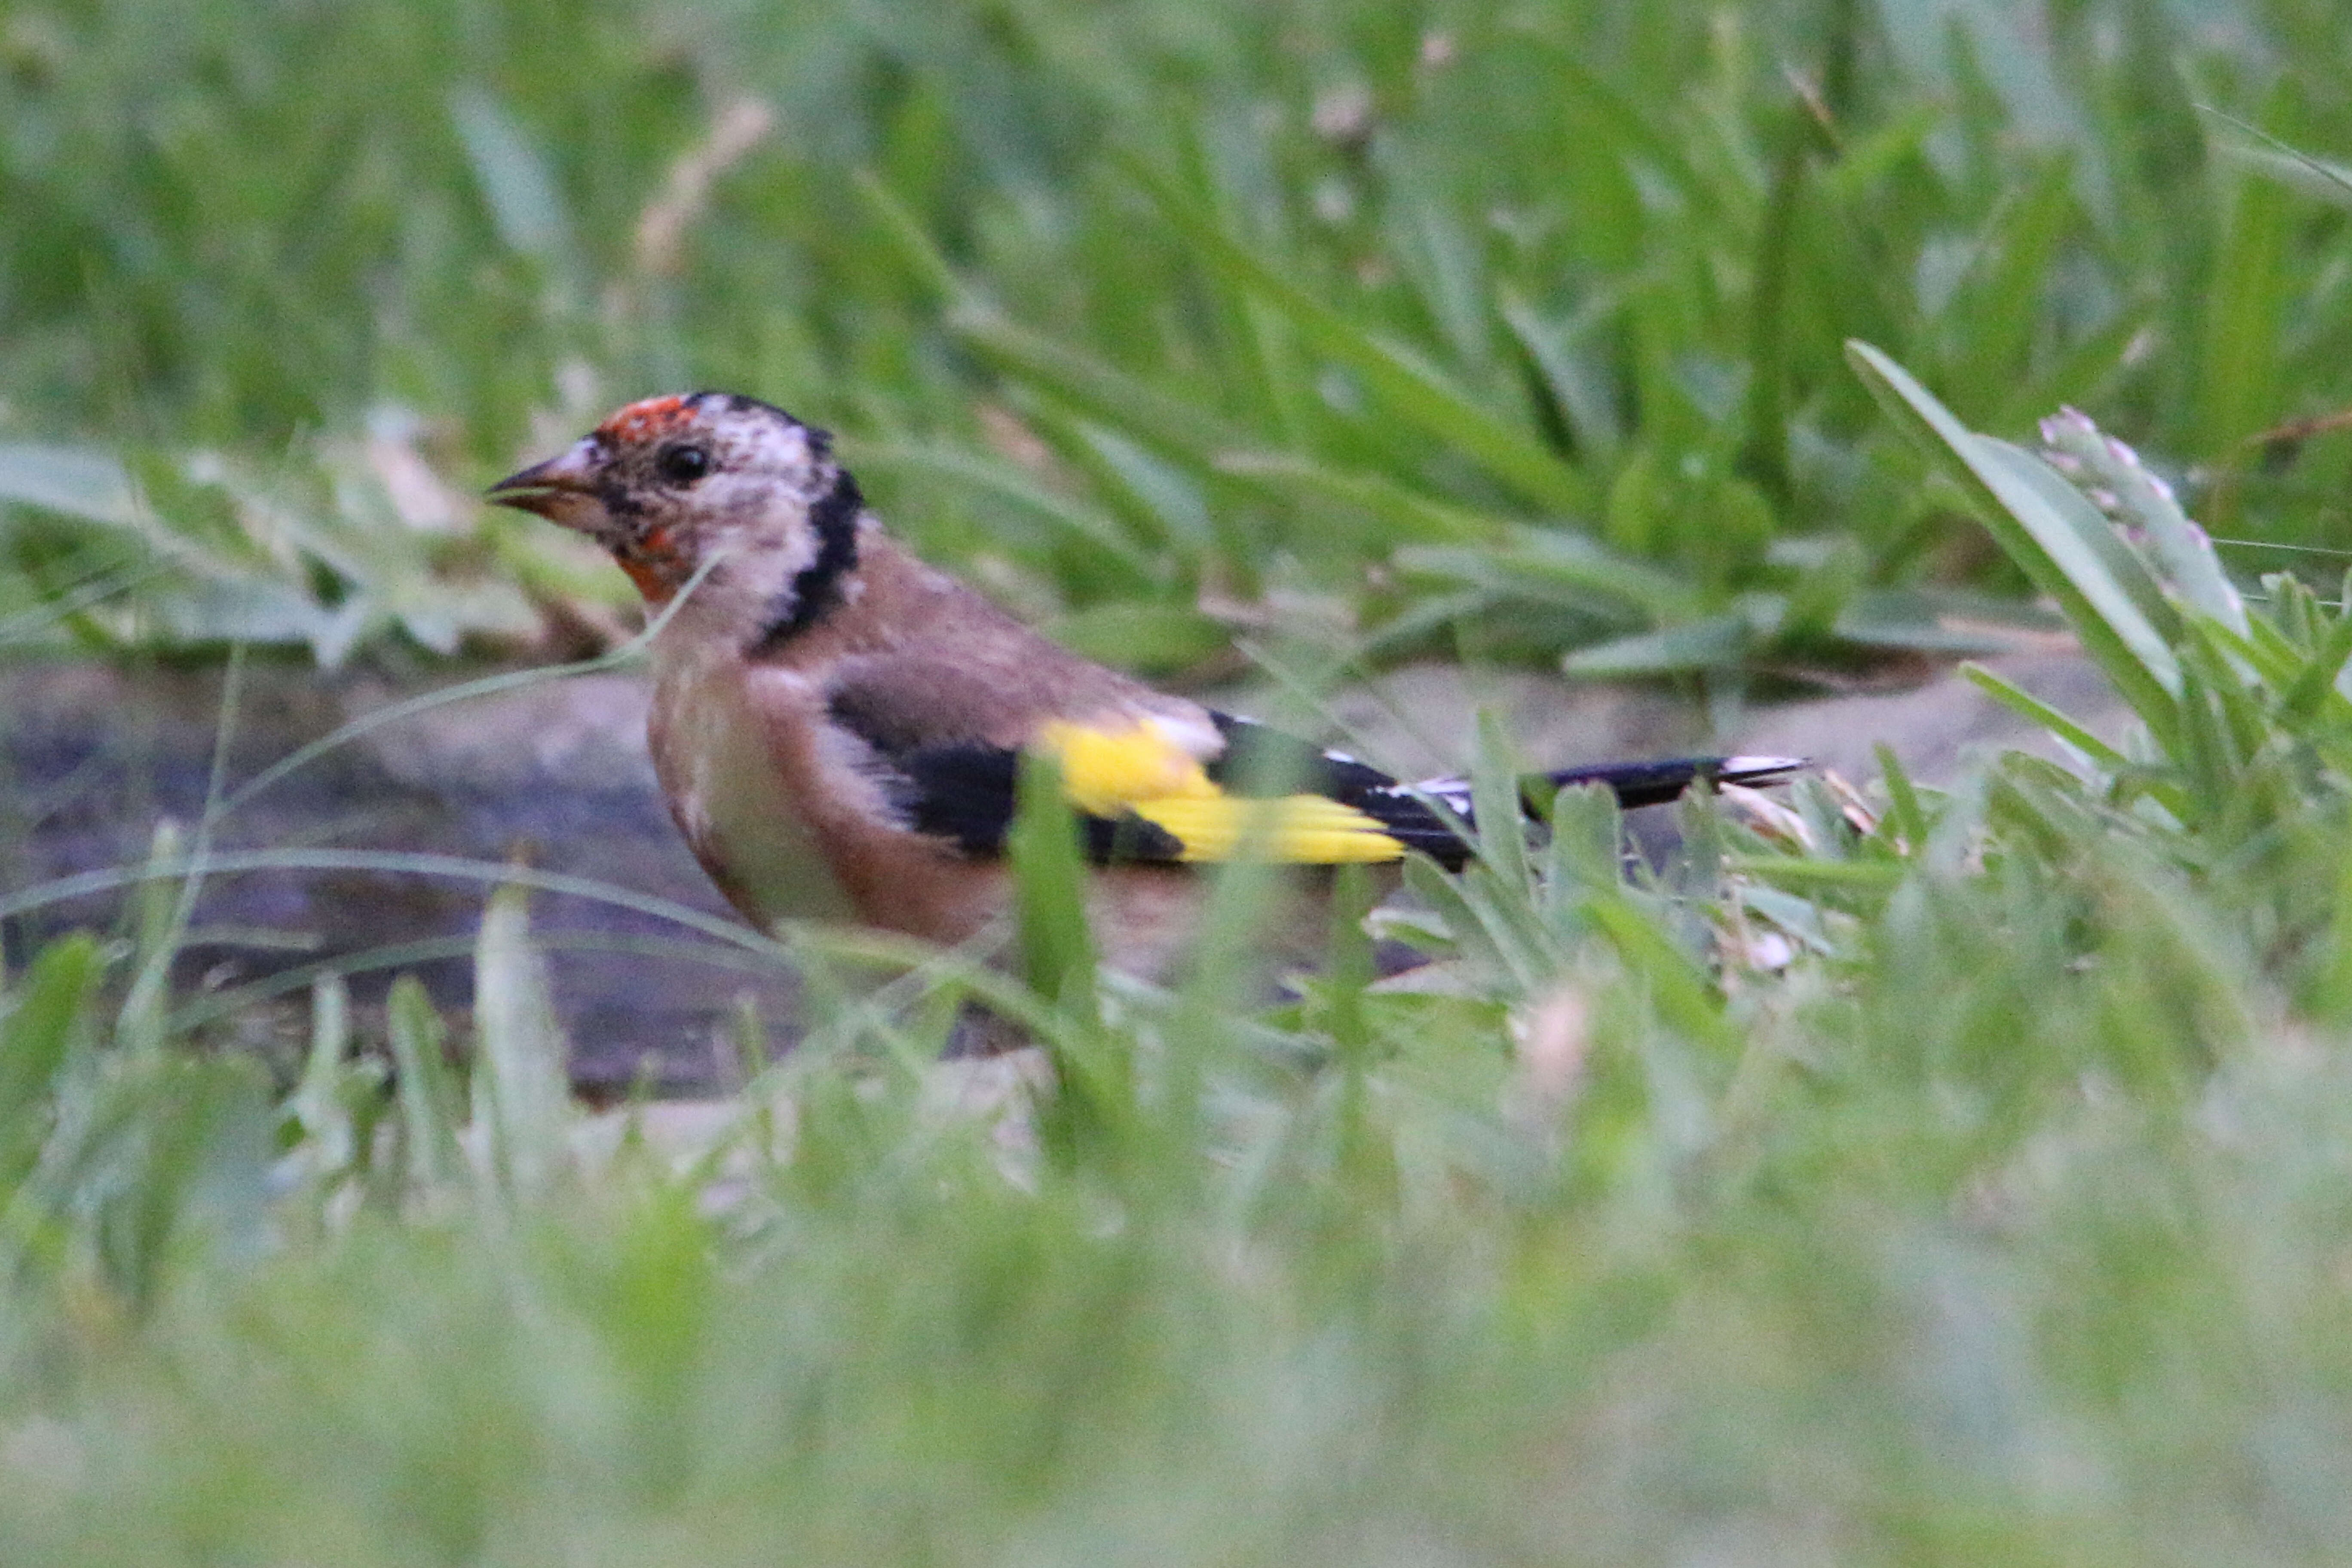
[772, 455]
[764, 546]
[788, 448]
[788, 547]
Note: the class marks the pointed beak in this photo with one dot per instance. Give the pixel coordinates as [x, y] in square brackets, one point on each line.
[560, 489]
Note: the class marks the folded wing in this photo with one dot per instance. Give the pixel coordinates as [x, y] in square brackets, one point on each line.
[1143, 794]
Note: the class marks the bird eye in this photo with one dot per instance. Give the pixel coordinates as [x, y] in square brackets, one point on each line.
[682, 465]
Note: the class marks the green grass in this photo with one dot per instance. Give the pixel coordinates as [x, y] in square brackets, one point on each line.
[1927, 1177]
[1160, 317]
[1958, 1178]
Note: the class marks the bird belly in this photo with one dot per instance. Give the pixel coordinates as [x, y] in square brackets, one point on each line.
[787, 820]
[738, 809]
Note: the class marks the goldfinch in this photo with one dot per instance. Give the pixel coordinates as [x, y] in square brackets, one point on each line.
[839, 728]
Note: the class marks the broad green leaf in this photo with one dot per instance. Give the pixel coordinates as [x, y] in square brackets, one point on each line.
[76, 481]
[1931, 622]
[1679, 987]
[2319, 178]
[2057, 537]
[1166, 496]
[2002, 307]
[1904, 812]
[1495, 790]
[2318, 679]
[2090, 544]
[2180, 549]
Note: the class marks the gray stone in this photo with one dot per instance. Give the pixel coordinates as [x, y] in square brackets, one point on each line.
[554, 775]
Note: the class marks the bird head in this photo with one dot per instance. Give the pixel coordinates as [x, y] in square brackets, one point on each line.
[671, 484]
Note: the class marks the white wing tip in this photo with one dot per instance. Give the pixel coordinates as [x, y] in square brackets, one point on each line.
[1736, 768]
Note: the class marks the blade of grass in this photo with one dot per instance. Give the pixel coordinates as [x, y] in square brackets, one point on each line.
[1123, 401]
[1082, 522]
[522, 1086]
[1904, 813]
[2317, 681]
[240, 862]
[2239, 348]
[488, 685]
[1679, 988]
[2027, 706]
[41, 1018]
[1411, 389]
[214, 1006]
[426, 1097]
[148, 987]
[316, 1103]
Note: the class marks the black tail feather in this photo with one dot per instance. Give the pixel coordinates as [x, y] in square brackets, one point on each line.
[1654, 782]
[1402, 812]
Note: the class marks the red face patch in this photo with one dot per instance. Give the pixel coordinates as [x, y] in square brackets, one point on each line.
[641, 422]
[655, 564]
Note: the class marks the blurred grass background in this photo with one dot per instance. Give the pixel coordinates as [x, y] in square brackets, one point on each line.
[1949, 1177]
[1513, 328]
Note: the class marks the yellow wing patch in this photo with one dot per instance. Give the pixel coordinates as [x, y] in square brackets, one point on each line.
[1296, 829]
[1106, 772]
[1144, 770]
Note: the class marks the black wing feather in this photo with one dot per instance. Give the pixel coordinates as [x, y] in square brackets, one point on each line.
[966, 792]
[1258, 760]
